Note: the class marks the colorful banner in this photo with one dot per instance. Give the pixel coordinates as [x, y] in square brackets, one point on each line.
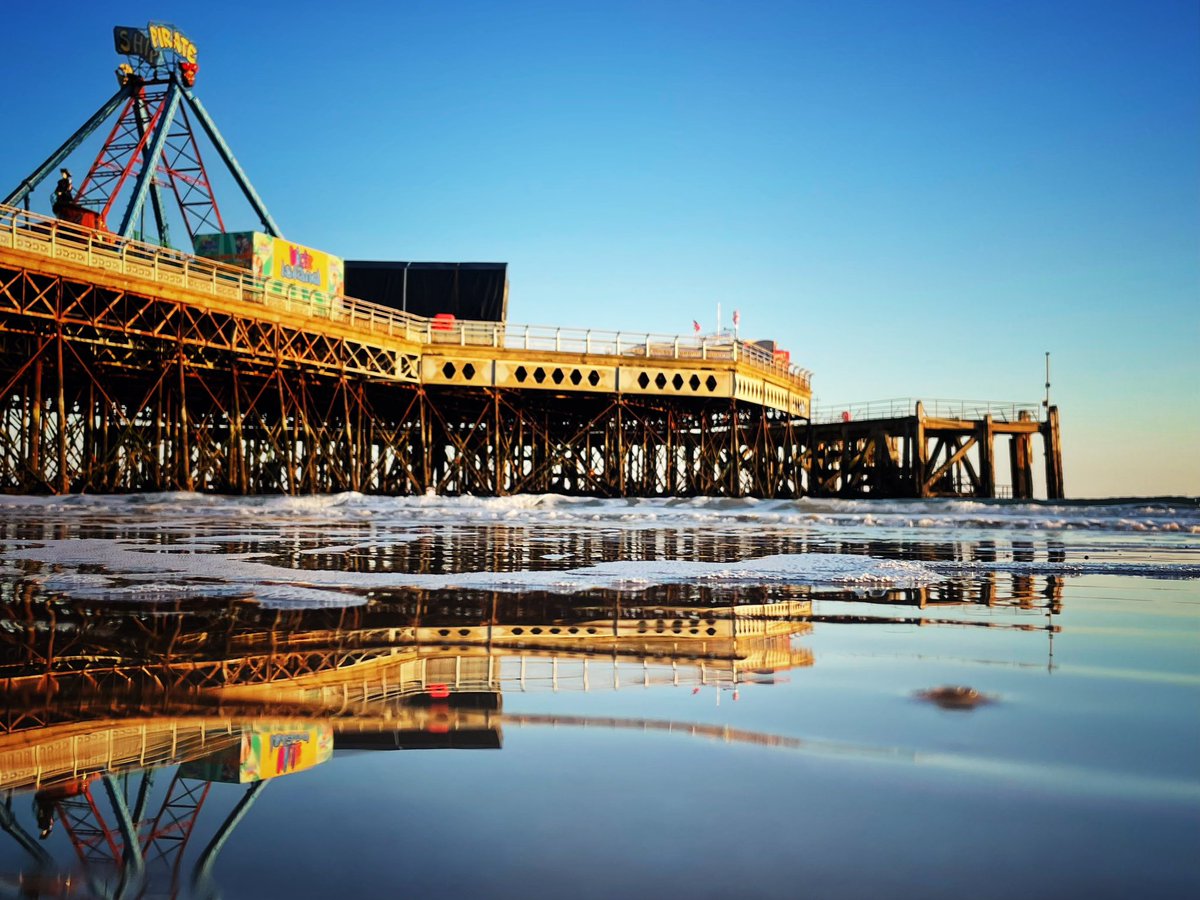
[265, 753]
[288, 264]
[298, 272]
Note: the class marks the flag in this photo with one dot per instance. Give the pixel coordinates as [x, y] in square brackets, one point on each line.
[737, 317]
[695, 326]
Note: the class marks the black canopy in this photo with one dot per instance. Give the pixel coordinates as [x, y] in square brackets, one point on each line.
[477, 291]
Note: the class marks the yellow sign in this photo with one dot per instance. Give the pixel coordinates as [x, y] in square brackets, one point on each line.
[287, 263]
[145, 43]
[285, 267]
[164, 37]
[266, 752]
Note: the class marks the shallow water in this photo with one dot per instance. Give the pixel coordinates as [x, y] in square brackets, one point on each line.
[614, 698]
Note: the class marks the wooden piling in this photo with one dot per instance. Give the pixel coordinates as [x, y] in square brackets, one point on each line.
[1052, 444]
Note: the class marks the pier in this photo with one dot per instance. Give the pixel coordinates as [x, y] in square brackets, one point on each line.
[129, 367]
[126, 365]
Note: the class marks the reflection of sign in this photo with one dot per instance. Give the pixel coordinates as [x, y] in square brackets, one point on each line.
[145, 43]
[287, 268]
[265, 753]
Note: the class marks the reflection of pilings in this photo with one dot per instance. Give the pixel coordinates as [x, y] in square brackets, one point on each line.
[202, 877]
[853, 619]
[192, 659]
[10, 824]
[133, 864]
[1025, 591]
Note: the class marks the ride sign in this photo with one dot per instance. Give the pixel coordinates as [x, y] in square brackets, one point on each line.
[146, 43]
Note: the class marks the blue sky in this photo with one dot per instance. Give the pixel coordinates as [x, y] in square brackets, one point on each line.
[918, 199]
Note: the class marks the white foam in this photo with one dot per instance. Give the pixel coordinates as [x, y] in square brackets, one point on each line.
[175, 509]
[180, 569]
[182, 554]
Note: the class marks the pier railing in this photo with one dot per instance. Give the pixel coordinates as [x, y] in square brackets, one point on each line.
[58, 239]
[962, 410]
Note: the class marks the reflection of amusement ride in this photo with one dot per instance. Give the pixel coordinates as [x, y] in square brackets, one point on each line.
[97, 693]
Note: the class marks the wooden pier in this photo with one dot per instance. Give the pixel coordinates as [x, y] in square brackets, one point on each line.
[919, 453]
[128, 367]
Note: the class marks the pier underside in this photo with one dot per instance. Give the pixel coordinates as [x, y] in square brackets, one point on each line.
[74, 422]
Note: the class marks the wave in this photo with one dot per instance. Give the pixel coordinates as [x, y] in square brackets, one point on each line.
[1159, 515]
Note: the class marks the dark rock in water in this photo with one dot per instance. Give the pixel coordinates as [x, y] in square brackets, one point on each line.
[954, 697]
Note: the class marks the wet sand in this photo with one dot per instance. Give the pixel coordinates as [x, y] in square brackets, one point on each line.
[596, 698]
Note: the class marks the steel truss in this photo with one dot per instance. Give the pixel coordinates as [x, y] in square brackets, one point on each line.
[151, 147]
[109, 390]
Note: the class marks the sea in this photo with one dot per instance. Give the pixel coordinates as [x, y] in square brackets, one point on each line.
[542, 696]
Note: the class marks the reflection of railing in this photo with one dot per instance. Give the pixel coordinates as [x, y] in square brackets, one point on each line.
[74, 749]
[57, 239]
[901, 407]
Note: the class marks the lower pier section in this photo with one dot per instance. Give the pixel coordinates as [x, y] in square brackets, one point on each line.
[130, 368]
[920, 455]
[82, 419]
[68, 425]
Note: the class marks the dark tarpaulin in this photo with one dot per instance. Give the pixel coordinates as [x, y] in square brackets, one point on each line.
[475, 291]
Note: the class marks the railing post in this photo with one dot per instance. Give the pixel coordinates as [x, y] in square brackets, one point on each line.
[557, 340]
[526, 337]
[618, 342]
[675, 348]
[587, 341]
[704, 348]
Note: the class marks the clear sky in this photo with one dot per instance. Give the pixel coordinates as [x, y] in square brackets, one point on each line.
[918, 198]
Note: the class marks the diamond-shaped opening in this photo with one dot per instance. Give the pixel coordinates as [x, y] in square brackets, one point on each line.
[677, 381]
[694, 382]
[576, 377]
[521, 374]
[448, 370]
[468, 371]
[594, 378]
[710, 383]
[539, 374]
[557, 376]
[644, 380]
[661, 381]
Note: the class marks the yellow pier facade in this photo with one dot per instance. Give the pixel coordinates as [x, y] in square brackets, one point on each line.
[126, 366]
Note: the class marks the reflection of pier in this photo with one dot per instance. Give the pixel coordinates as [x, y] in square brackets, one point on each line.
[76, 732]
[67, 661]
[98, 694]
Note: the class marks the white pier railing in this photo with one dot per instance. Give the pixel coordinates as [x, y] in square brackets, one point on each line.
[33, 233]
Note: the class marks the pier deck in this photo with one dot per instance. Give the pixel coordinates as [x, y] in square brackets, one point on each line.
[125, 366]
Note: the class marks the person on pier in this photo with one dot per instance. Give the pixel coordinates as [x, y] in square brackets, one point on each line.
[63, 191]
